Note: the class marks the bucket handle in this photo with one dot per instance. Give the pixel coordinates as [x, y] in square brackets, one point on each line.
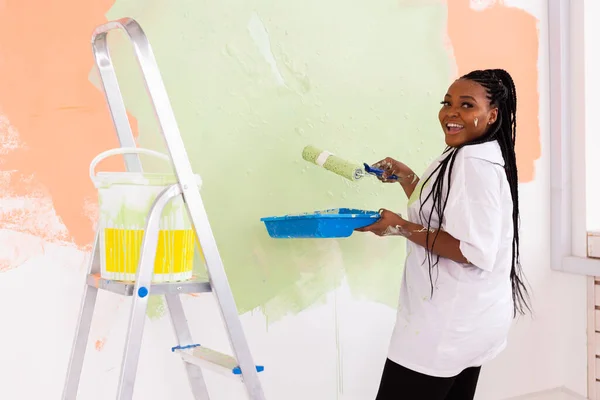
[123, 150]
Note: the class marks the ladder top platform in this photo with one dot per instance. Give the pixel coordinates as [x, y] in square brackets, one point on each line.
[127, 288]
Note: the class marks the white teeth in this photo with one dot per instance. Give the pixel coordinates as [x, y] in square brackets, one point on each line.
[451, 125]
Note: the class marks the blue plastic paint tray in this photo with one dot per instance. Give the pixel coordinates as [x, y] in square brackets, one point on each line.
[335, 223]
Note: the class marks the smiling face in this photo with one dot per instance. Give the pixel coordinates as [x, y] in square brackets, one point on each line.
[466, 112]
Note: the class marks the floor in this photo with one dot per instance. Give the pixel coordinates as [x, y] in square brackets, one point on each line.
[551, 395]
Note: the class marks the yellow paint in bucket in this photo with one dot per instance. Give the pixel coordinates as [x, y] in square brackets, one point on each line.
[174, 254]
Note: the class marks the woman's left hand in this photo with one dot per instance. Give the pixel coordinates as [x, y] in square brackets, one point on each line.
[389, 224]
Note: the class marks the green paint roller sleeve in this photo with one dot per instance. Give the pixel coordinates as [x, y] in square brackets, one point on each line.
[330, 162]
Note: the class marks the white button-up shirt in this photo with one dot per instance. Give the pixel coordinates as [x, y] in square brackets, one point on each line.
[467, 320]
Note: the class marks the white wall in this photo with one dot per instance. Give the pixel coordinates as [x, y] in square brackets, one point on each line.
[40, 301]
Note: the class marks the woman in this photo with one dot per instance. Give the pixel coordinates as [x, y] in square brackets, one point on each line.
[462, 282]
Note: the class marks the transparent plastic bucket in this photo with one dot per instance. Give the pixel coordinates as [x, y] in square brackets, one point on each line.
[125, 199]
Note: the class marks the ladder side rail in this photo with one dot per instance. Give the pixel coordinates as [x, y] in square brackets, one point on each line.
[82, 331]
[112, 93]
[141, 293]
[184, 338]
[220, 286]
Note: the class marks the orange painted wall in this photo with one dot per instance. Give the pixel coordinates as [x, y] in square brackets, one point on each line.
[507, 38]
[48, 51]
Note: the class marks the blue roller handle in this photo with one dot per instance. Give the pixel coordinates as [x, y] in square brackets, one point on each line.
[378, 172]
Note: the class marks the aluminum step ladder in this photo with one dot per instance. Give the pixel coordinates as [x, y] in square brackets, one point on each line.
[194, 356]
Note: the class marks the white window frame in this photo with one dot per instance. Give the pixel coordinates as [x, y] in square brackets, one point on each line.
[567, 139]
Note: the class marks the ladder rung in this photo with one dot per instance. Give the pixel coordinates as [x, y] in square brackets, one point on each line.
[126, 288]
[218, 362]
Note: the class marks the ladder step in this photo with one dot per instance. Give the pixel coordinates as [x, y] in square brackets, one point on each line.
[218, 362]
[126, 288]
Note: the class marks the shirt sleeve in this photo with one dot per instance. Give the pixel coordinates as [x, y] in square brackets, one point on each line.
[473, 213]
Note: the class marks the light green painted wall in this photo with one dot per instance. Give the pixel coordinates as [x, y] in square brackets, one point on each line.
[252, 83]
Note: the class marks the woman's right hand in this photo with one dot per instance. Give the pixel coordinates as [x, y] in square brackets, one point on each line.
[392, 167]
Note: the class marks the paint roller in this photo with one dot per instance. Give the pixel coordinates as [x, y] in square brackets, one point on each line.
[347, 169]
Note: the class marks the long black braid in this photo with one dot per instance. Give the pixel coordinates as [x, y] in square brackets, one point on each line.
[502, 94]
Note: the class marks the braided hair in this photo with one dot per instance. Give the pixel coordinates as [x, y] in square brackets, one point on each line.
[501, 94]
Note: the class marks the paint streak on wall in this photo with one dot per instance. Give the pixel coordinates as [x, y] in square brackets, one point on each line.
[507, 38]
[61, 119]
[99, 345]
[32, 214]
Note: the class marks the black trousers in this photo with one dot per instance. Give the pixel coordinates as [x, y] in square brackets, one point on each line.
[400, 383]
